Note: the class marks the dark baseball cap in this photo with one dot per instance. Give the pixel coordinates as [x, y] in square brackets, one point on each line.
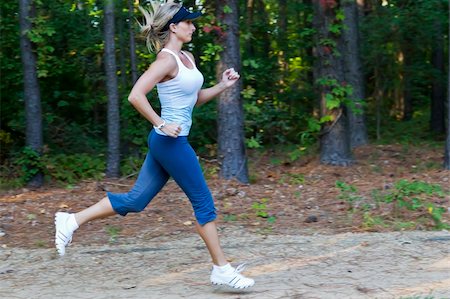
[182, 14]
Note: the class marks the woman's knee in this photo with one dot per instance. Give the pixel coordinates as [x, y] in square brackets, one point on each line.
[203, 218]
[124, 204]
[205, 211]
[136, 207]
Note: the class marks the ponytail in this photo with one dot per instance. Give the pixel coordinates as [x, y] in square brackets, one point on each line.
[155, 19]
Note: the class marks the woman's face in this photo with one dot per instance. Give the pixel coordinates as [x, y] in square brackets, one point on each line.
[184, 30]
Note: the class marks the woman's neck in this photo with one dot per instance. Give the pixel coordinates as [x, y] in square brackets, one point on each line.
[174, 46]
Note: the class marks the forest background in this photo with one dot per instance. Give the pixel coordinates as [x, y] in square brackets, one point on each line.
[297, 91]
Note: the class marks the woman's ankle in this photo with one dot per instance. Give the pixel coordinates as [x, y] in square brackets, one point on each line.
[222, 268]
[77, 220]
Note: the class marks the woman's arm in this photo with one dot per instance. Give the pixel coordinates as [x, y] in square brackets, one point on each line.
[164, 66]
[157, 71]
[229, 78]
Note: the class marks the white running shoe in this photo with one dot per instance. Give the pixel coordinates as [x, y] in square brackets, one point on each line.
[231, 278]
[63, 234]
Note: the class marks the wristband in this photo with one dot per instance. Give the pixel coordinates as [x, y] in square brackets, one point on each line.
[159, 127]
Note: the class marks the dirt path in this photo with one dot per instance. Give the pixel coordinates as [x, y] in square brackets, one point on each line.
[369, 265]
[157, 255]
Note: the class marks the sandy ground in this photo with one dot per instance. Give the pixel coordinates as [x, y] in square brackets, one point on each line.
[367, 265]
[156, 254]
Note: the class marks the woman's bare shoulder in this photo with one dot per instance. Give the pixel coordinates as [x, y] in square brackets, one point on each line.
[165, 60]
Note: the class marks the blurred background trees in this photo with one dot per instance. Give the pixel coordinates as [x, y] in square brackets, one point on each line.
[391, 86]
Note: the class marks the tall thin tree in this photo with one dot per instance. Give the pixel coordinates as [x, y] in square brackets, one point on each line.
[231, 138]
[354, 73]
[113, 158]
[329, 67]
[133, 56]
[437, 115]
[282, 34]
[406, 57]
[33, 111]
[263, 15]
[250, 10]
[447, 144]
[122, 51]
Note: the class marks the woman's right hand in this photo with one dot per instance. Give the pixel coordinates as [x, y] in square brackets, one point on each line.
[172, 130]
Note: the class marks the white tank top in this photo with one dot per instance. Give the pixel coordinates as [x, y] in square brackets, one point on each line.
[179, 95]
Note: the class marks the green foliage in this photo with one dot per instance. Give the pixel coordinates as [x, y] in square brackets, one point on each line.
[72, 168]
[40, 243]
[412, 132]
[61, 168]
[397, 42]
[41, 31]
[10, 183]
[113, 232]
[405, 199]
[131, 165]
[11, 83]
[338, 93]
[370, 221]
[260, 209]
[211, 53]
[293, 178]
[69, 45]
[227, 9]
[204, 132]
[349, 193]
[31, 163]
[252, 142]
[413, 195]
[407, 194]
[278, 92]
[296, 153]
[5, 142]
[337, 26]
[229, 217]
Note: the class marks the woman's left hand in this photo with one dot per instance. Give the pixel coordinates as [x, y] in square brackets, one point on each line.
[229, 77]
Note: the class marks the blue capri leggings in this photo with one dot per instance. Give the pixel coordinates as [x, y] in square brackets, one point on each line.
[168, 157]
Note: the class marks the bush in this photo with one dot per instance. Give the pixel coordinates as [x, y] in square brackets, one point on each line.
[72, 168]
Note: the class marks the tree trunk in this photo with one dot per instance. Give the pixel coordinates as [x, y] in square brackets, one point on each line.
[447, 144]
[378, 95]
[260, 7]
[33, 112]
[437, 116]
[249, 23]
[113, 159]
[361, 4]
[335, 137]
[354, 74]
[405, 104]
[122, 46]
[282, 35]
[133, 57]
[231, 138]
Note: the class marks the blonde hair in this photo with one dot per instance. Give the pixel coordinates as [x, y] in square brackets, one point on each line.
[155, 19]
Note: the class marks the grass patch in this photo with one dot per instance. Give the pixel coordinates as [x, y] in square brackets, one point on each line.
[407, 205]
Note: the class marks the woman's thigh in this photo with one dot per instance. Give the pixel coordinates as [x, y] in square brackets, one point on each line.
[179, 159]
[151, 179]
